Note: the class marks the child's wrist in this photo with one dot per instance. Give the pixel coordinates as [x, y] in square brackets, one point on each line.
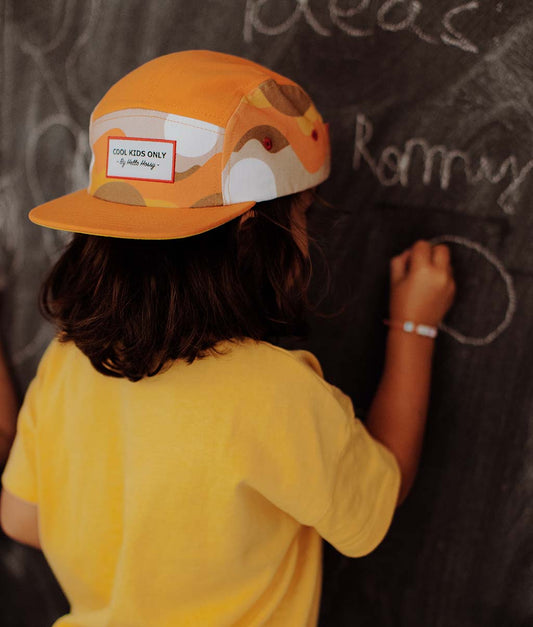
[413, 327]
[407, 352]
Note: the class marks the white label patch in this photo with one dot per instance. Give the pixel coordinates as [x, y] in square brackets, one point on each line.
[141, 159]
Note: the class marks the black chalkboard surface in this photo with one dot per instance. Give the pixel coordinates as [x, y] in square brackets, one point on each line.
[430, 108]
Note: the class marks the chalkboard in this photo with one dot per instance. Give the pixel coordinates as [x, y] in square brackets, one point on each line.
[430, 107]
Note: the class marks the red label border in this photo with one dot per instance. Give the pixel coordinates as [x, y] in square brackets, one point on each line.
[146, 139]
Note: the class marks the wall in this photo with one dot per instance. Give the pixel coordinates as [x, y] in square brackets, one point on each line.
[430, 109]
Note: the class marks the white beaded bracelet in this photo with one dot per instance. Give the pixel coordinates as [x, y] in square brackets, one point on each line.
[412, 327]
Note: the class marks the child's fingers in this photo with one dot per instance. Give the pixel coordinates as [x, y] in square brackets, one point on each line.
[441, 256]
[420, 254]
[399, 265]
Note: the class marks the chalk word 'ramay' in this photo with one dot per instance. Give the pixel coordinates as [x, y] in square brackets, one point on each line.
[395, 164]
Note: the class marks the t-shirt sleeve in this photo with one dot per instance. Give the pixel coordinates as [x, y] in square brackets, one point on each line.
[318, 463]
[20, 474]
[365, 490]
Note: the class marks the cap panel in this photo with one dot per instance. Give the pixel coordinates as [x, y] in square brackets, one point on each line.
[195, 137]
[204, 85]
[198, 148]
[276, 143]
[189, 141]
[186, 190]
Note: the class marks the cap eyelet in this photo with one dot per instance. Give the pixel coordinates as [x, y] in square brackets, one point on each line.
[267, 143]
[314, 134]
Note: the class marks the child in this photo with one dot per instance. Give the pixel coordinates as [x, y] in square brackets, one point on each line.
[8, 410]
[8, 397]
[183, 470]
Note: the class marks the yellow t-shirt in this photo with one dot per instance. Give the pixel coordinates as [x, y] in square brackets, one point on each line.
[197, 497]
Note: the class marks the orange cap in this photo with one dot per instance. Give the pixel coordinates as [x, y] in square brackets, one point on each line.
[189, 141]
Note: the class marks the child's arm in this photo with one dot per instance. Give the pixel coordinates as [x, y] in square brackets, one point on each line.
[19, 519]
[422, 290]
[8, 410]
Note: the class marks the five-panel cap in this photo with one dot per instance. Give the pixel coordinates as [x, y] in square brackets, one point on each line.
[189, 141]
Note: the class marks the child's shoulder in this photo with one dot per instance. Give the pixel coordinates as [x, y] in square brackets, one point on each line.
[58, 349]
[268, 360]
[300, 356]
[56, 355]
[302, 368]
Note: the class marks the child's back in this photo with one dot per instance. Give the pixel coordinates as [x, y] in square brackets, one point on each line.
[168, 483]
[172, 502]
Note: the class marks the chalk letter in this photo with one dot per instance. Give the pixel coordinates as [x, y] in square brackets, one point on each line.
[453, 37]
[428, 155]
[336, 13]
[363, 134]
[390, 158]
[252, 20]
[408, 23]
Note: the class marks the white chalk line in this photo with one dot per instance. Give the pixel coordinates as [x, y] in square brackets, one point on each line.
[336, 12]
[83, 39]
[252, 19]
[492, 58]
[511, 294]
[408, 23]
[46, 74]
[11, 227]
[399, 162]
[34, 346]
[59, 119]
[62, 31]
[451, 37]
[7, 79]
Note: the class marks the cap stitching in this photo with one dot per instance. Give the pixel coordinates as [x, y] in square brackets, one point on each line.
[249, 87]
[156, 117]
[236, 113]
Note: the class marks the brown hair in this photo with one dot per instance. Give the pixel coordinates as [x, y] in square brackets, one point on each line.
[131, 306]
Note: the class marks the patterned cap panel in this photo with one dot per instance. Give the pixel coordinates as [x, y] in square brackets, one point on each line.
[123, 178]
[276, 144]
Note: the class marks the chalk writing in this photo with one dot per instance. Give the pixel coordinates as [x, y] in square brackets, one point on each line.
[509, 287]
[252, 20]
[394, 164]
[391, 16]
[452, 36]
[27, 341]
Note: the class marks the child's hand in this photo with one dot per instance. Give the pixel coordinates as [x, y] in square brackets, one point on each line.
[422, 286]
